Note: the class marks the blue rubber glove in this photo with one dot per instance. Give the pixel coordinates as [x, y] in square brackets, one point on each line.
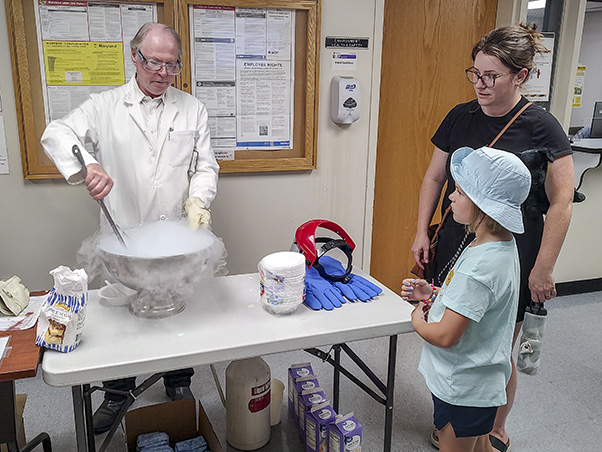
[357, 288]
[319, 293]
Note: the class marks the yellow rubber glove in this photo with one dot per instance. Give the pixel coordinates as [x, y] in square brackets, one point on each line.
[199, 215]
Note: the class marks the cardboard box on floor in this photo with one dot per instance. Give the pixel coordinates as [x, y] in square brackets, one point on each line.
[177, 419]
[20, 399]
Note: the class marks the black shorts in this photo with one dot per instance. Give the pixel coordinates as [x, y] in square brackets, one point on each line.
[467, 421]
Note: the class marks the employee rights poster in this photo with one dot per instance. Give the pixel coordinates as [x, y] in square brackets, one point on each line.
[243, 66]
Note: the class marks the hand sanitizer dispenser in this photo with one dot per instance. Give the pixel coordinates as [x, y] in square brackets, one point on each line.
[345, 99]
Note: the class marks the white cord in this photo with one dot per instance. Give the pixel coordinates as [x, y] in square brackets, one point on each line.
[218, 385]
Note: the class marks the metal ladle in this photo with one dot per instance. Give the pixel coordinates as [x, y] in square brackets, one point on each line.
[78, 155]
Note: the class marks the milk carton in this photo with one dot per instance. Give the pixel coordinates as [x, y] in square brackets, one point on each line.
[345, 434]
[302, 384]
[296, 371]
[317, 420]
[307, 399]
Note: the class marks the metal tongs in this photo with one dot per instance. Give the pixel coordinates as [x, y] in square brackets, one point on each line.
[78, 155]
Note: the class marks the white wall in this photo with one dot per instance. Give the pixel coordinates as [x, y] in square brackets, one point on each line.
[43, 223]
[591, 56]
[580, 255]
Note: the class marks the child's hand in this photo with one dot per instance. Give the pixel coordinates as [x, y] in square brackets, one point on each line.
[419, 314]
[415, 289]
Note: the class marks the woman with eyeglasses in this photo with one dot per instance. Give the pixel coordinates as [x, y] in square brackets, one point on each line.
[502, 62]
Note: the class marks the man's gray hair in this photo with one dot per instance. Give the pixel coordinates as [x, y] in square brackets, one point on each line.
[137, 41]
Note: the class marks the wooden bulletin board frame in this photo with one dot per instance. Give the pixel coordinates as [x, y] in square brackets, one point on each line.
[30, 105]
[27, 81]
[307, 30]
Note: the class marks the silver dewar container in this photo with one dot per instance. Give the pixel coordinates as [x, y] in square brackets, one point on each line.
[163, 262]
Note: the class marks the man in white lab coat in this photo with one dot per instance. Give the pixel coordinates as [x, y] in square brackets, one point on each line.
[143, 134]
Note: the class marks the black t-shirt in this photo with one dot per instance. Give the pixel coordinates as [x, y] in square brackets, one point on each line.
[467, 125]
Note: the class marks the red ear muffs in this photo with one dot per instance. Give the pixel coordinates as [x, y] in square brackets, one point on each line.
[306, 241]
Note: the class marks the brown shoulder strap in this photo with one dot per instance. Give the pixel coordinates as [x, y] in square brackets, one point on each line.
[509, 123]
[448, 210]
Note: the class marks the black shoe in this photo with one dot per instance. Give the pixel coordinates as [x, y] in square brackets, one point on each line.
[179, 393]
[105, 415]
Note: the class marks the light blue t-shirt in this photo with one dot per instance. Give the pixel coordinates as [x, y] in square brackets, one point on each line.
[483, 286]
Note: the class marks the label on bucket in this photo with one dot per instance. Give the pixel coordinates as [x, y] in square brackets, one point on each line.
[259, 403]
[263, 400]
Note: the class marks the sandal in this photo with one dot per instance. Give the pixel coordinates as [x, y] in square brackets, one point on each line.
[498, 444]
[435, 439]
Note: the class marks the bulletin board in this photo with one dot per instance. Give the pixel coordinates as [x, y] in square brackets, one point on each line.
[27, 79]
[29, 96]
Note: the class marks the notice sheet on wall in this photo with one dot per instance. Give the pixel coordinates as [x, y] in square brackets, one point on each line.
[242, 70]
[3, 149]
[84, 48]
[537, 86]
[579, 83]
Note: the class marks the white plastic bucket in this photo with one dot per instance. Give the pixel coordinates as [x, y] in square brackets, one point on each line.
[282, 281]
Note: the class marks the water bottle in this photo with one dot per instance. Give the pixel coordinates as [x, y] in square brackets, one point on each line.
[530, 341]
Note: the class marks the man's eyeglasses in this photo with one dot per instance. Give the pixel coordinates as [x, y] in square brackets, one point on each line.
[488, 80]
[156, 66]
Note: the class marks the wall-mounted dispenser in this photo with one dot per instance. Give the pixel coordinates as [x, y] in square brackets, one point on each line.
[345, 99]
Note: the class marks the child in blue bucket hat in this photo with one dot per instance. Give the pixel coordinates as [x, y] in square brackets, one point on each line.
[468, 323]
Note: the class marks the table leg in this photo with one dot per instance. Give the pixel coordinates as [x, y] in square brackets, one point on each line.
[336, 379]
[8, 422]
[387, 390]
[390, 393]
[8, 415]
[77, 393]
[88, 417]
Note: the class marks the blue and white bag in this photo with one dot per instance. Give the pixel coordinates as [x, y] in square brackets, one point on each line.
[64, 310]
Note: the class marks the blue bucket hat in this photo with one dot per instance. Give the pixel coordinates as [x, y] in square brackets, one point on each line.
[498, 182]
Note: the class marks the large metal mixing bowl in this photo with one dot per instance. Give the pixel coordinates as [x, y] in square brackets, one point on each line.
[163, 282]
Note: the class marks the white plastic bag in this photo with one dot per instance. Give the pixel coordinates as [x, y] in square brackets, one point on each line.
[529, 352]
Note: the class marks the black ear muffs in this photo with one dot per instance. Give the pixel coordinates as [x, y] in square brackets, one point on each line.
[306, 242]
[330, 244]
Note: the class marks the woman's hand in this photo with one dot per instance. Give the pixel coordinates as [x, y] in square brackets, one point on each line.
[420, 249]
[415, 289]
[542, 284]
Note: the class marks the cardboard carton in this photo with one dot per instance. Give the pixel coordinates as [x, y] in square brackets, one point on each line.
[177, 419]
[307, 399]
[20, 402]
[317, 420]
[294, 372]
[345, 434]
[302, 384]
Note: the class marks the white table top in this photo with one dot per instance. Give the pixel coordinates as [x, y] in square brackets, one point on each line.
[587, 144]
[224, 321]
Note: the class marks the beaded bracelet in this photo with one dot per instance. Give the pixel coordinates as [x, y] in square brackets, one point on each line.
[433, 295]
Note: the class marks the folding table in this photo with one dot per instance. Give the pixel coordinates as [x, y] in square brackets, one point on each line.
[224, 320]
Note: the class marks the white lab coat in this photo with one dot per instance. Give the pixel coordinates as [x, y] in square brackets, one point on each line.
[151, 180]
